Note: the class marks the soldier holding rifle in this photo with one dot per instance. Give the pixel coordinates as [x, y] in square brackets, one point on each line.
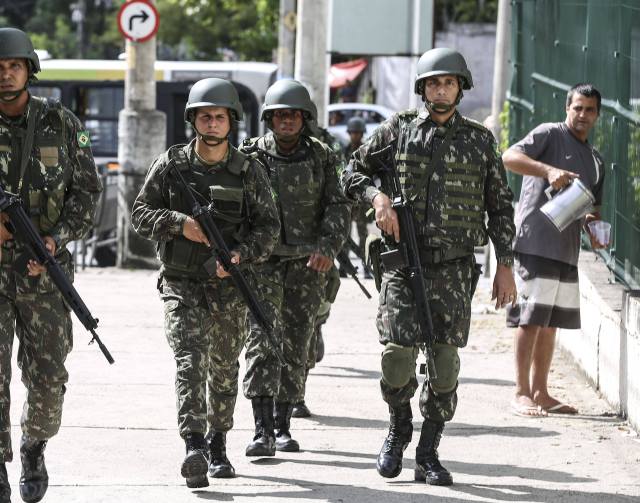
[205, 311]
[46, 160]
[444, 174]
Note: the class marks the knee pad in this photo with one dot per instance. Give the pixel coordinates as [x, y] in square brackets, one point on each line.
[447, 364]
[398, 364]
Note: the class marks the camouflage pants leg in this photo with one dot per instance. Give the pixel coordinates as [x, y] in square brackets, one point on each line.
[228, 333]
[7, 330]
[451, 313]
[262, 375]
[304, 290]
[187, 326]
[43, 329]
[331, 290]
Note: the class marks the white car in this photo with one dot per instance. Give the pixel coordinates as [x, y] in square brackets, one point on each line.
[340, 113]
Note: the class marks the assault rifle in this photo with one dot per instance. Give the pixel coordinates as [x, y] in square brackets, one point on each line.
[220, 252]
[407, 254]
[345, 264]
[22, 228]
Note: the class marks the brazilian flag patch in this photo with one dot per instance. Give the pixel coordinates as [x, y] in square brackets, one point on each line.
[83, 139]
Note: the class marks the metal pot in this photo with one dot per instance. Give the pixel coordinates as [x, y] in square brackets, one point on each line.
[570, 204]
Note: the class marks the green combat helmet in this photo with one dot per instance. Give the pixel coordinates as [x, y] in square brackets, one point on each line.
[213, 92]
[16, 44]
[356, 125]
[288, 93]
[442, 61]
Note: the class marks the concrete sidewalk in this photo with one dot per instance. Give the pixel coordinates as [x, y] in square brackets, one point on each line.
[119, 440]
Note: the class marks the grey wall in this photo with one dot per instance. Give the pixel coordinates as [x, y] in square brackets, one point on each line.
[477, 43]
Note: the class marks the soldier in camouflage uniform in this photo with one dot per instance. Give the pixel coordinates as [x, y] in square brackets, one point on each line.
[205, 314]
[316, 347]
[450, 201]
[314, 217]
[356, 127]
[46, 159]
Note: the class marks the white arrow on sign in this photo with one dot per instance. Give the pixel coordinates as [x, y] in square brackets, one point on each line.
[138, 20]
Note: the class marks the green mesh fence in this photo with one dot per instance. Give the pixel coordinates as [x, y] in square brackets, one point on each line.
[558, 43]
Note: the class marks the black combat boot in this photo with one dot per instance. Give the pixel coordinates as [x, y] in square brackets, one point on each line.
[34, 479]
[5, 487]
[428, 467]
[389, 462]
[194, 466]
[264, 441]
[284, 442]
[300, 409]
[219, 465]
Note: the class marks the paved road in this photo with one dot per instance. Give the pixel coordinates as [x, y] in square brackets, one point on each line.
[119, 442]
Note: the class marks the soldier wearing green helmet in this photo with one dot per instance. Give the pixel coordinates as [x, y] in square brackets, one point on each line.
[314, 217]
[205, 314]
[449, 168]
[45, 158]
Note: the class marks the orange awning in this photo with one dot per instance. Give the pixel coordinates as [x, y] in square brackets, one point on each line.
[341, 74]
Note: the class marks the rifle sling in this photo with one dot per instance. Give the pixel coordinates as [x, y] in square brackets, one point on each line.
[435, 160]
[27, 146]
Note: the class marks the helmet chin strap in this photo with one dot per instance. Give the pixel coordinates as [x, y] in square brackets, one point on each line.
[209, 139]
[443, 108]
[287, 141]
[10, 96]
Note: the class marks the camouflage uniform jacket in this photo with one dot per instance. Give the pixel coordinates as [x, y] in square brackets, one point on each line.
[314, 213]
[450, 207]
[60, 185]
[155, 214]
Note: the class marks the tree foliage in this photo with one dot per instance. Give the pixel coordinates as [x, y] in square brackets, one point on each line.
[464, 11]
[189, 29]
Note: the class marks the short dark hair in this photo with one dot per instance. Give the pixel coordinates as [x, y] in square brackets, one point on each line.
[585, 90]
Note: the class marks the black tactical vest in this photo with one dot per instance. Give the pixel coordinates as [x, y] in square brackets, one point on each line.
[224, 188]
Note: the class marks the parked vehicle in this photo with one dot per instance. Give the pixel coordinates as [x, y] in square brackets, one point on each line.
[340, 113]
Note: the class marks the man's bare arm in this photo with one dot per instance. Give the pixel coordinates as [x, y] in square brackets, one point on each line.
[522, 164]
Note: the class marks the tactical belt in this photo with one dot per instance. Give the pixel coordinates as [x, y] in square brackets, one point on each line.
[430, 256]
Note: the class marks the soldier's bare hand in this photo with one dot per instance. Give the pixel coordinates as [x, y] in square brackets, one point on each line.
[220, 272]
[35, 268]
[5, 235]
[192, 231]
[559, 178]
[386, 216]
[504, 287]
[319, 262]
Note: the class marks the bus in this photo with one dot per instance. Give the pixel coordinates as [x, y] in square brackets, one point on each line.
[94, 91]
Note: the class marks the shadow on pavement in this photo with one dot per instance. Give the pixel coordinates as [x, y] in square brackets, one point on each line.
[470, 430]
[527, 493]
[303, 489]
[489, 382]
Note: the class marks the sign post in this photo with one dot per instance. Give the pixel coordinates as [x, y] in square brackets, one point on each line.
[141, 128]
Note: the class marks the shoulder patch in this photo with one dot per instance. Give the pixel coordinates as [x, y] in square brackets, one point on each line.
[84, 140]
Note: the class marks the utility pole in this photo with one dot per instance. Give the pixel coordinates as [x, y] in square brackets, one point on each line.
[287, 38]
[501, 65]
[78, 16]
[500, 83]
[312, 59]
[141, 138]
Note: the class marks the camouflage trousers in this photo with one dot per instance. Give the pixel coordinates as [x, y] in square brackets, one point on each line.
[205, 325]
[450, 287]
[32, 308]
[330, 292]
[293, 293]
[360, 218]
